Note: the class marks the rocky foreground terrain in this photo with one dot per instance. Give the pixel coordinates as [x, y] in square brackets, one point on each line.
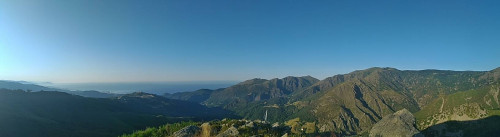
[400, 124]
[231, 128]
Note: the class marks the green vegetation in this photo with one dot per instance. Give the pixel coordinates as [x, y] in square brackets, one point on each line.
[466, 105]
[161, 131]
[244, 128]
[344, 105]
[252, 98]
[350, 104]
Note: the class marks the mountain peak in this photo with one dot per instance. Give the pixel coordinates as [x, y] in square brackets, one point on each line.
[252, 81]
[380, 68]
[375, 69]
[374, 72]
[496, 70]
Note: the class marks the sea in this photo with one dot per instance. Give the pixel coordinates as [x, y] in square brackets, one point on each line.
[159, 88]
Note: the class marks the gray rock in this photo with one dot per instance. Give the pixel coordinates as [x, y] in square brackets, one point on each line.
[276, 125]
[399, 124]
[231, 132]
[250, 124]
[188, 131]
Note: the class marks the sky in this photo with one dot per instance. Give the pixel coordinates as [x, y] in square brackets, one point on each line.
[78, 41]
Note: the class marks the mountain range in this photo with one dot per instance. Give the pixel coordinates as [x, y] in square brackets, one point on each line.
[442, 101]
[351, 103]
[28, 86]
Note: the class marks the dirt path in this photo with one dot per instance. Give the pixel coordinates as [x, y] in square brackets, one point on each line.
[495, 96]
[442, 105]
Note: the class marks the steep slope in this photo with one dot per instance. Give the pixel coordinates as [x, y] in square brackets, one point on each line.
[354, 105]
[257, 90]
[319, 86]
[470, 104]
[252, 98]
[461, 106]
[474, 112]
[349, 103]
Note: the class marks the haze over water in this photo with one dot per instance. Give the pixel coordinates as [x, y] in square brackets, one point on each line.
[149, 87]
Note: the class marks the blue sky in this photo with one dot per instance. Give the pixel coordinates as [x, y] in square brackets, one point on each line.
[226, 40]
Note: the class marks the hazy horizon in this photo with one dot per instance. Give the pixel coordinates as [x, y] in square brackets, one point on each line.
[49, 83]
[150, 87]
[158, 87]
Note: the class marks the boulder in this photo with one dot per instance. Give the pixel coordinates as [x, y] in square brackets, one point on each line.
[206, 130]
[399, 124]
[189, 131]
[231, 132]
[275, 125]
[250, 124]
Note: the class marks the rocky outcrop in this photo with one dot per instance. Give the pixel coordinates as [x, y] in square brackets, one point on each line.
[189, 131]
[399, 124]
[206, 130]
[231, 132]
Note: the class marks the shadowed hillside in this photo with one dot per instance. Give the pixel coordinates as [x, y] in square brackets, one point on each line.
[485, 127]
[51, 113]
[15, 85]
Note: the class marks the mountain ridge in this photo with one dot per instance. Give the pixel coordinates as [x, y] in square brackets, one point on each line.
[344, 104]
[28, 86]
[351, 103]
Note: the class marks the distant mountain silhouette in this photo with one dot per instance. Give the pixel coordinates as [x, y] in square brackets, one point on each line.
[27, 86]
